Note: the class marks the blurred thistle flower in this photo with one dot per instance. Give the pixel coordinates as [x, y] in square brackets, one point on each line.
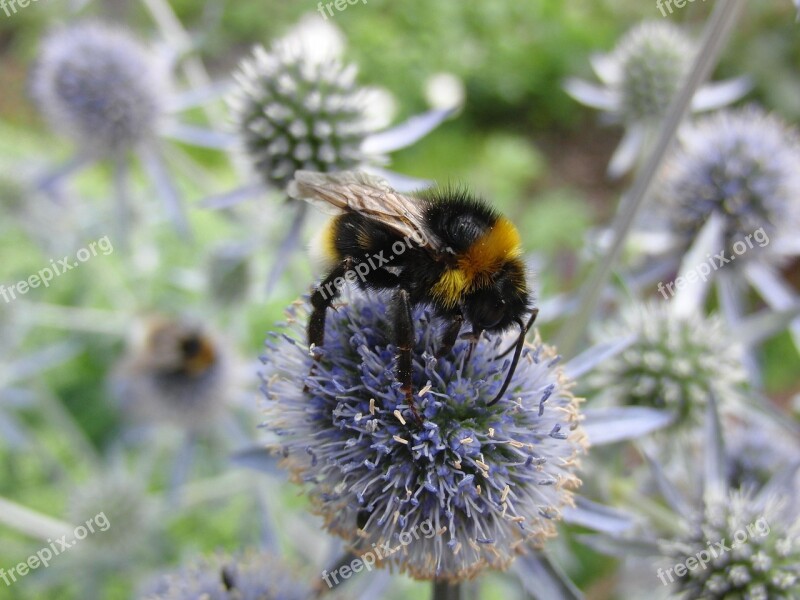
[472, 486]
[298, 106]
[717, 541]
[112, 95]
[727, 212]
[117, 505]
[743, 165]
[101, 87]
[249, 576]
[759, 557]
[674, 363]
[640, 78]
[175, 372]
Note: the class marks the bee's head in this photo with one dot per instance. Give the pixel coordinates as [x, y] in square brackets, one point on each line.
[501, 303]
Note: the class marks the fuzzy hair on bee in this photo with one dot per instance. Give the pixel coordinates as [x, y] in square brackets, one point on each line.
[442, 247]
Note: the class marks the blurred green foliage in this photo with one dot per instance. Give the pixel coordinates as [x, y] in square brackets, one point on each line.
[512, 57]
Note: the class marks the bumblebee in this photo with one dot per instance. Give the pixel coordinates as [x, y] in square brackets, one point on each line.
[442, 248]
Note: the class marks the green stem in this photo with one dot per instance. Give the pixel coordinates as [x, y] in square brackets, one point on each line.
[443, 590]
[718, 30]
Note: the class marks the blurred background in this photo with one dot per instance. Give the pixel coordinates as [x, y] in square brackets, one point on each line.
[76, 354]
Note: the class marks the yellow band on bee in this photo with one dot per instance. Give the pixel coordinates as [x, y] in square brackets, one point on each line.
[450, 287]
[480, 261]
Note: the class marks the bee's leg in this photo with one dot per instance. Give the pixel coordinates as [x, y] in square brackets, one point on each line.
[473, 341]
[450, 335]
[321, 298]
[404, 334]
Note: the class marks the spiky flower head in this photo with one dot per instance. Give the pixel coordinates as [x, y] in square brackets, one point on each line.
[175, 372]
[250, 576]
[465, 490]
[743, 165]
[749, 551]
[100, 86]
[116, 505]
[674, 363]
[298, 109]
[651, 61]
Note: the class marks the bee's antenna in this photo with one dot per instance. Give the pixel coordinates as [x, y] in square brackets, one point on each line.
[523, 330]
[531, 319]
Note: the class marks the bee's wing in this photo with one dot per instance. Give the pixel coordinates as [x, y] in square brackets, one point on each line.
[367, 195]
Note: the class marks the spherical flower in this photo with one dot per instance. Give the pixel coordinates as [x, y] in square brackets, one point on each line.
[640, 78]
[463, 491]
[175, 372]
[674, 363]
[297, 110]
[653, 60]
[743, 165]
[100, 86]
[250, 576]
[116, 505]
[751, 551]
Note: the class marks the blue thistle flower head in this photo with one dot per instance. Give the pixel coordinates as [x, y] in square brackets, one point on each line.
[100, 86]
[743, 165]
[464, 491]
[297, 109]
[759, 555]
[249, 576]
